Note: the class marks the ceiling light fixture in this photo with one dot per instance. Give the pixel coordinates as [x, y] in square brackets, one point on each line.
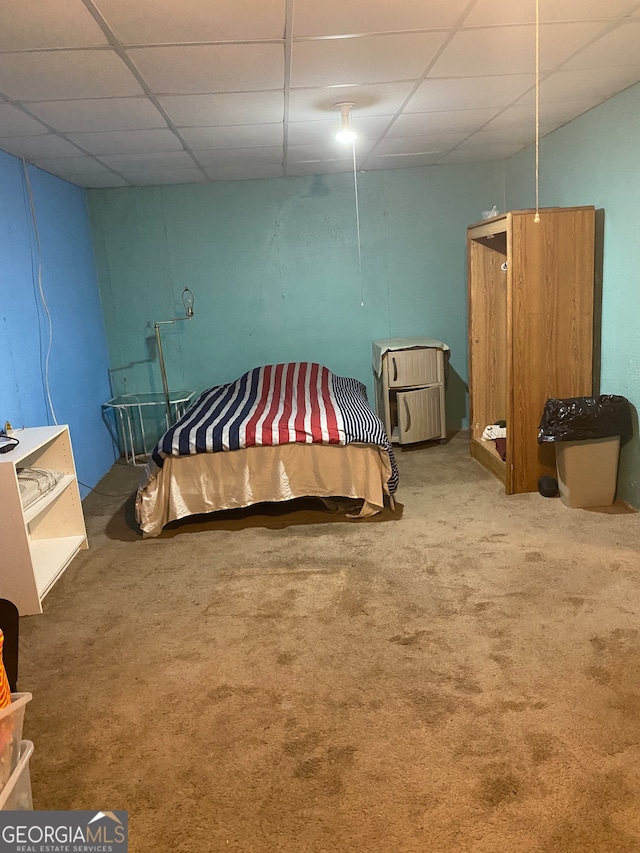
[346, 132]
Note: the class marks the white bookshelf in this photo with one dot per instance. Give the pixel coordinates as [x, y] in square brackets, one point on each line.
[39, 542]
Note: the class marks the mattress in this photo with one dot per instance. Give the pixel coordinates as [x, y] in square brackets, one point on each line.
[207, 482]
[279, 432]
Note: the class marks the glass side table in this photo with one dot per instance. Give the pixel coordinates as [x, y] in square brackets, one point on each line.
[130, 411]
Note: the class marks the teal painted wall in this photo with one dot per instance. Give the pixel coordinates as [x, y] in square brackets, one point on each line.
[595, 160]
[78, 365]
[274, 268]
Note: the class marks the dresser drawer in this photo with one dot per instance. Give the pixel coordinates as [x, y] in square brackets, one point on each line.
[413, 367]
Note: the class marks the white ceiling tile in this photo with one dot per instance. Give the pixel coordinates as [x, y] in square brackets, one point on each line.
[77, 181]
[597, 84]
[492, 12]
[406, 161]
[318, 167]
[510, 124]
[233, 136]
[65, 74]
[522, 114]
[91, 174]
[217, 68]
[460, 155]
[105, 181]
[430, 144]
[551, 114]
[333, 150]
[478, 146]
[497, 140]
[30, 147]
[503, 137]
[556, 113]
[371, 59]
[313, 132]
[159, 177]
[412, 124]
[510, 50]
[96, 114]
[478, 155]
[220, 157]
[127, 141]
[223, 109]
[619, 47]
[13, 122]
[165, 21]
[195, 69]
[138, 162]
[320, 103]
[72, 167]
[468, 93]
[240, 173]
[335, 17]
[32, 24]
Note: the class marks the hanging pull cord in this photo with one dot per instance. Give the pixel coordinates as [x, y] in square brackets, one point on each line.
[537, 216]
[355, 187]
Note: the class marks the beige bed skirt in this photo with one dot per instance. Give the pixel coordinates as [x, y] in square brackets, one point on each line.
[207, 482]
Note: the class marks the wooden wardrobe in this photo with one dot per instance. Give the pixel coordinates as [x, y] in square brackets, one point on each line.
[531, 315]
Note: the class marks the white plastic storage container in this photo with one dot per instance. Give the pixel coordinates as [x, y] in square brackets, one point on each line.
[16, 794]
[11, 721]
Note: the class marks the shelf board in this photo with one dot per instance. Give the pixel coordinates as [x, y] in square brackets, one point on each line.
[42, 503]
[486, 453]
[50, 557]
[31, 440]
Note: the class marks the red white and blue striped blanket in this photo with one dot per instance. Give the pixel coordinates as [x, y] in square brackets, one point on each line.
[300, 402]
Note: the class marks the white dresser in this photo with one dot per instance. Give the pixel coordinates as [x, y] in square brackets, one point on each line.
[410, 382]
[39, 541]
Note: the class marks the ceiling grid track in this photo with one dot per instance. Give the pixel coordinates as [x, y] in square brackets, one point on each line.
[288, 49]
[424, 76]
[122, 53]
[108, 93]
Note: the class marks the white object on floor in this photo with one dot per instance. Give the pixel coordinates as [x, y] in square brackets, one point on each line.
[494, 431]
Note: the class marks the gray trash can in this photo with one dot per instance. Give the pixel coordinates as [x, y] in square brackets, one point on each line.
[588, 471]
[586, 432]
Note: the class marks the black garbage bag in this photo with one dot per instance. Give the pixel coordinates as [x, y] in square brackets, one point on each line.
[585, 419]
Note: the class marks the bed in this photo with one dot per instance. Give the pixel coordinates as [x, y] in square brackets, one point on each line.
[279, 432]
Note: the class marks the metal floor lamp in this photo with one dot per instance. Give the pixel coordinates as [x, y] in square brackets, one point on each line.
[187, 301]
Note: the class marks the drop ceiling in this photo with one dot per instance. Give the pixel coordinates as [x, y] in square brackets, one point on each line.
[108, 93]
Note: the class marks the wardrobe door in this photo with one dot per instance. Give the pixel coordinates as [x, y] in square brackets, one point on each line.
[552, 299]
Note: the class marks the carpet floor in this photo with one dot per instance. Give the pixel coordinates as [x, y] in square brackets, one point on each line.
[461, 675]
